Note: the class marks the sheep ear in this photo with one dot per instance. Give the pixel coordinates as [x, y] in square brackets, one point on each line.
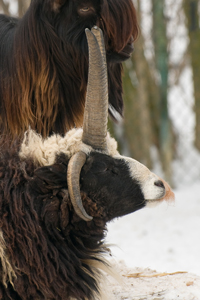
[57, 4]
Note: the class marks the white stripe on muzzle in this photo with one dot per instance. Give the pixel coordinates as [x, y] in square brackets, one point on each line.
[153, 187]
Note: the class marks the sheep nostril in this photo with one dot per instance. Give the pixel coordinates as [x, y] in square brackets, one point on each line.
[159, 183]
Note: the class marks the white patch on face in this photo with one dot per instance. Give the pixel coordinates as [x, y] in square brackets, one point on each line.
[145, 178]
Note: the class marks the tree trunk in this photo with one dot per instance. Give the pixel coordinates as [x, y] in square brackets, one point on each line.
[22, 7]
[192, 23]
[5, 7]
[138, 122]
[161, 59]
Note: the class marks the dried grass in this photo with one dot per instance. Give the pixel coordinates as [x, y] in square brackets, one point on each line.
[139, 275]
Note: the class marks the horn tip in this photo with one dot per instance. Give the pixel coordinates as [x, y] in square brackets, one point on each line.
[89, 218]
[96, 28]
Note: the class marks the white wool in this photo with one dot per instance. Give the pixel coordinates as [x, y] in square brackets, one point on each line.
[7, 272]
[44, 151]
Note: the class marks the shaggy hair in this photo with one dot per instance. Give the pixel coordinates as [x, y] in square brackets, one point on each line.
[44, 62]
[52, 252]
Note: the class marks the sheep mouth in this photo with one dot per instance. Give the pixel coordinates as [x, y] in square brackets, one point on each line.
[167, 196]
[154, 200]
[126, 52]
[159, 197]
[119, 56]
[122, 55]
[153, 203]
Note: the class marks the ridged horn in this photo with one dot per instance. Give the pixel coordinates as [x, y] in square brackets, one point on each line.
[96, 106]
[99, 36]
[95, 116]
[73, 176]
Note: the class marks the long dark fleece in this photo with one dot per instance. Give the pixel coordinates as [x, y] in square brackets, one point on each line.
[51, 251]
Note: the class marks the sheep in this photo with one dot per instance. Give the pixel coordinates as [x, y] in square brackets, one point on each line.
[57, 195]
[44, 62]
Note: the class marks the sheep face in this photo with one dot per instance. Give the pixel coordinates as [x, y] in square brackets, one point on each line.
[107, 182]
[120, 185]
[109, 15]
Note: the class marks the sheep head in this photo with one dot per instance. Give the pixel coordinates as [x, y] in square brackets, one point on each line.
[95, 132]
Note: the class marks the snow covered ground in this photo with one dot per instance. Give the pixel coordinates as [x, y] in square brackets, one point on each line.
[145, 284]
[165, 238]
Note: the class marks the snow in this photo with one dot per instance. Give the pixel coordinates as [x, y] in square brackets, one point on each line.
[165, 238]
[153, 286]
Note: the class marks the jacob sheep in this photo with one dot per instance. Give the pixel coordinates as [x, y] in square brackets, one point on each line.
[44, 62]
[57, 194]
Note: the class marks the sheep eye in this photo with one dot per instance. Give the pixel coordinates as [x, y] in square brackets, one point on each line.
[84, 9]
[115, 171]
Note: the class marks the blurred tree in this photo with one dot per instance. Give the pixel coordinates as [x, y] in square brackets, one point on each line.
[161, 61]
[145, 94]
[137, 121]
[192, 23]
[22, 6]
[4, 6]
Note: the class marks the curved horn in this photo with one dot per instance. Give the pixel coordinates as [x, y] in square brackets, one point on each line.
[73, 175]
[96, 106]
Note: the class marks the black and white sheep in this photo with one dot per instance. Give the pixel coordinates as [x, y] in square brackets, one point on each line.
[56, 196]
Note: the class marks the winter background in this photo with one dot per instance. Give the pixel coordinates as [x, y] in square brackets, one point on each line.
[165, 238]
